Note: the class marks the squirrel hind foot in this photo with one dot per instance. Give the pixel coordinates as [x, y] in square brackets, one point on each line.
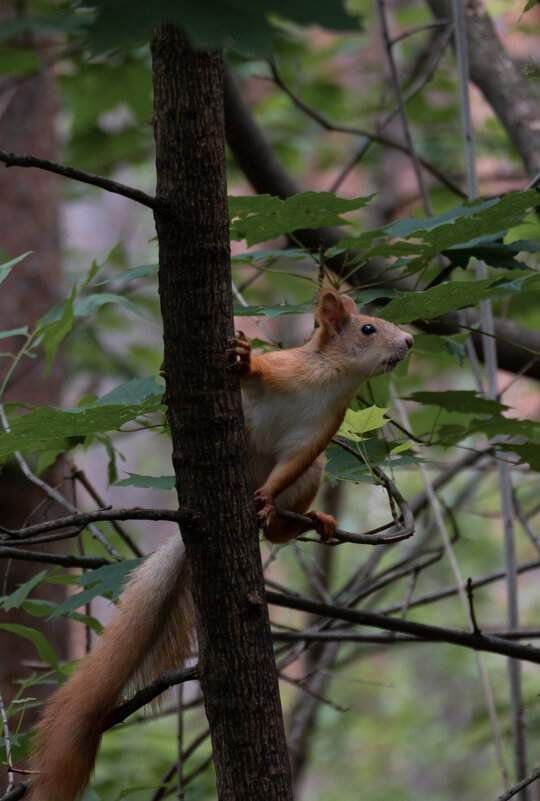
[325, 525]
[280, 531]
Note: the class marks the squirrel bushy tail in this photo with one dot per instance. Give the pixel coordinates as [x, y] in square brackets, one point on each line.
[153, 632]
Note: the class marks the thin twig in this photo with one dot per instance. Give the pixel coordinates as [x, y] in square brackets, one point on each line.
[426, 26]
[449, 592]
[472, 614]
[490, 360]
[379, 5]
[375, 137]
[7, 742]
[403, 529]
[51, 492]
[85, 562]
[257, 320]
[346, 536]
[519, 786]
[435, 55]
[447, 544]
[26, 160]
[427, 633]
[81, 520]
[82, 478]
[525, 523]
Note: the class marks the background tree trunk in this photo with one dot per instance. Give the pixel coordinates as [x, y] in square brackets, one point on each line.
[237, 668]
[29, 221]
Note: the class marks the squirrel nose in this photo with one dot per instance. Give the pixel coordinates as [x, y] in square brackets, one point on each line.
[409, 339]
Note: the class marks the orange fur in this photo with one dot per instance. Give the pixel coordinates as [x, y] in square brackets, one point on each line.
[295, 401]
[152, 632]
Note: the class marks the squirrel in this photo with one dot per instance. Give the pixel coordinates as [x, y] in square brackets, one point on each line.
[294, 402]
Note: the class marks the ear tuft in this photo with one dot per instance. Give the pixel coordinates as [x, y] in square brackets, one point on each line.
[333, 309]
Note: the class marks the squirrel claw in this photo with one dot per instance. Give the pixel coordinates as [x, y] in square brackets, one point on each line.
[240, 351]
[266, 509]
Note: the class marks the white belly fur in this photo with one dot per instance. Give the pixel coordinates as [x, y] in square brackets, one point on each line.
[279, 424]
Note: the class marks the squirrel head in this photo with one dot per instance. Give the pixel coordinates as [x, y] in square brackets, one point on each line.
[362, 345]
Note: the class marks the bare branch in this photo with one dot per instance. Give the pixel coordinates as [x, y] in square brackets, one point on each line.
[81, 520]
[26, 160]
[466, 639]
[86, 562]
[371, 135]
[169, 678]
[510, 793]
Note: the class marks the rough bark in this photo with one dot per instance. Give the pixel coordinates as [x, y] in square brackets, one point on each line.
[237, 669]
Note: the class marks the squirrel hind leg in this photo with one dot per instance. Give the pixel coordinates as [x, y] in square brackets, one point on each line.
[280, 531]
[298, 498]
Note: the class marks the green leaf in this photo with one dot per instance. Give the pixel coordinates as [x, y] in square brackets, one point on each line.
[22, 592]
[456, 227]
[262, 217]
[96, 266]
[107, 581]
[493, 251]
[404, 446]
[46, 428]
[54, 327]
[529, 453]
[356, 424]
[138, 390]
[344, 466]
[147, 482]
[14, 332]
[253, 256]
[463, 401]
[468, 221]
[19, 747]
[448, 297]
[509, 426]
[40, 608]
[272, 311]
[6, 268]
[213, 24]
[142, 271]
[45, 650]
[92, 303]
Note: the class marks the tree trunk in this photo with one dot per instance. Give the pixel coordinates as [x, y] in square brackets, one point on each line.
[29, 214]
[237, 668]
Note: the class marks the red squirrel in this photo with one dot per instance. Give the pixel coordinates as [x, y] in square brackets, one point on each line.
[294, 402]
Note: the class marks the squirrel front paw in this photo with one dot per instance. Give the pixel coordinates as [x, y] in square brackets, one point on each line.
[240, 353]
[266, 509]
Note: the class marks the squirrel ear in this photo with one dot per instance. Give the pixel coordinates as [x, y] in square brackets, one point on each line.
[349, 304]
[333, 309]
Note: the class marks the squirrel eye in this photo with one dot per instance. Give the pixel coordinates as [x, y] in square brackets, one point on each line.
[368, 329]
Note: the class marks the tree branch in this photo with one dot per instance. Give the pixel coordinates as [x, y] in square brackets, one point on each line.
[86, 562]
[80, 521]
[474, 641]
[169, 678]
[26, 160]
